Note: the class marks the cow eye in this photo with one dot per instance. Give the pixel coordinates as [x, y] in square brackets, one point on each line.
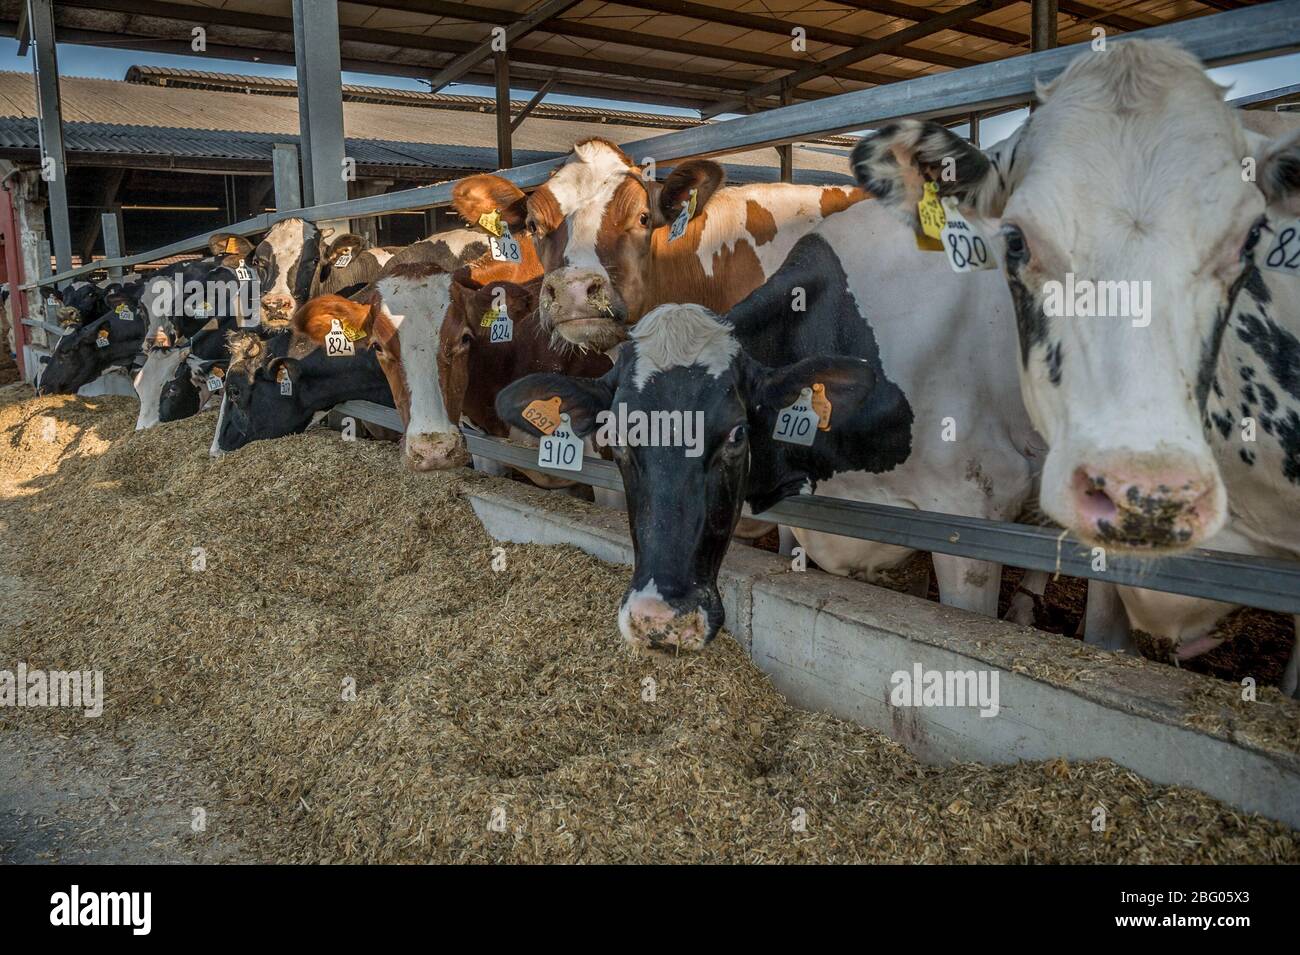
[738, 435]
[531, 226]
[644, 219]
[466, 338]
[1017, 248]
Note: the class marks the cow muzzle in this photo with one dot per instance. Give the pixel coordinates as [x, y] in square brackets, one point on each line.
[584, 308]
[435, 452]
[1146, 502]
[277, 308]
[647, 619]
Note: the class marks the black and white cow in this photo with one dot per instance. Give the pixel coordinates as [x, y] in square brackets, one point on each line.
[288, 261]
[275, 386]
[684, 500]
[1133, 170]
[85, 352]
[173, 384]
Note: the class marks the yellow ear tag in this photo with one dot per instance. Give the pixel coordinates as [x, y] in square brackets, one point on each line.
[930, 212]
[103, 333]
[492, 222]
[232, 245]
[543, 414]
[488, 318]
[353, 333]
[822, 405]
[690, 206]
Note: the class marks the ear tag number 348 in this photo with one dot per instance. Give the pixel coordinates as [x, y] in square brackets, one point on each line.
[504, 246]
[561, 448]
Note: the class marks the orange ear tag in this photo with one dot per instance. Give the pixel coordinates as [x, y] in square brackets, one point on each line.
[543, 414]
[822, 405]
[232, 245]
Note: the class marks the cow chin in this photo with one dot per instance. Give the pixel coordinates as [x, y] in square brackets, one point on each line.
[591, 332]
[435, 452]
[1151, 503]
[647, 619]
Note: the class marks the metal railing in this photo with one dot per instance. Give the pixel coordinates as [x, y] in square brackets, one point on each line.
[1217, 39]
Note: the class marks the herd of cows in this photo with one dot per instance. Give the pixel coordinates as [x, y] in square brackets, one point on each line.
[965, 392]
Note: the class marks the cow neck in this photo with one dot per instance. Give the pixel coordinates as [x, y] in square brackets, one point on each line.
[361, 380]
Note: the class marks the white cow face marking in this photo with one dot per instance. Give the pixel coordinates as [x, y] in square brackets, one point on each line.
[409, 313]
[159, 368]
[287, 261]
[1123, 193]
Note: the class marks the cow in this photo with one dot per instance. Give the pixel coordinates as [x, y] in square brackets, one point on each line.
[348, 265]
[275, 385]
[402, 320]
[685, 498]
[81, 301]
[170, 384]
[181, 299]
[949, 434]
[85, 352]
[605, 235]
[1133, 170]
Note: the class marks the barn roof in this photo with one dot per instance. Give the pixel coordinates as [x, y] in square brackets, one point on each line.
[694, 53]
[195, 124]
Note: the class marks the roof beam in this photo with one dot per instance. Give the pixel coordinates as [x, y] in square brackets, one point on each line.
[283, 27]
[906, 11]
[861, 52]
[1083, 11]
[519, 117]
[466, 61]
[696, 11]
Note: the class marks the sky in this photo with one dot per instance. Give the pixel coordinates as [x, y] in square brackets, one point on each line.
[109, 63]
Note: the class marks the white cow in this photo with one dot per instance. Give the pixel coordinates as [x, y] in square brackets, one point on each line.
[1133, 170]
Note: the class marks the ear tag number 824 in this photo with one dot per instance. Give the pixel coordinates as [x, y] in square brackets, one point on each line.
[561, 448]
[337, 343]
[797, 423]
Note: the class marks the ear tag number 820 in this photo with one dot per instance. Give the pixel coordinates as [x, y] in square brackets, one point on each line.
[561, 448]
[1283, 254]
[963, 246]
[797, 423]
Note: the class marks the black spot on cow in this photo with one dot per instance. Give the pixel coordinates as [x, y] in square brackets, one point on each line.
[1031, 322]
[1277, 347]
[831, 325]
[1247, 456]
[1054, 363]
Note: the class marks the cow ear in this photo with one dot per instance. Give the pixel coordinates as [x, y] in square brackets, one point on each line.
[845, 382]
[477, 196]
[896, 161]
[464, 292]
[702, 175]
[227, 243]
[582, 399]
[291, 367]
[1279, 174]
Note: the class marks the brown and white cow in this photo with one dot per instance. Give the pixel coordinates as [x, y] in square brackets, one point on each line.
[603, 233]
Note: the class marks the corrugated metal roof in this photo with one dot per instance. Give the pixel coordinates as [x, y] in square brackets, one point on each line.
[113, 116]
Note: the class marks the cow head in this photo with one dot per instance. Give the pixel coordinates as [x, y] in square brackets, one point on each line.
[465, 338]
[1124, 192]
[697, 407]
[164, 365]
[287, 262]
[86, 351]
[77, 304]
[592, 224]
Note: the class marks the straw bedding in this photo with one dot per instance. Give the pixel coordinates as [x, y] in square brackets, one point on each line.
[481, 696]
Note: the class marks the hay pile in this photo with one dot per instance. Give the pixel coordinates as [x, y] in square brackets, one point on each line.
[480, 696]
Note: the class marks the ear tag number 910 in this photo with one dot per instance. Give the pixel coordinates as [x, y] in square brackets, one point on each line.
[561, 448]
[797, 423]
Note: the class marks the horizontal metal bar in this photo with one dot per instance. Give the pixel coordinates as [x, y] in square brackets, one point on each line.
[37, 323]
[1267, 28]
[381, 415]
[1253, 581]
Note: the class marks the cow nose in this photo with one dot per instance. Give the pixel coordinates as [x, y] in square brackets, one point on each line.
[1143, 504]
[435, 452]
[577, 294]
[648, 620]
[277, 305]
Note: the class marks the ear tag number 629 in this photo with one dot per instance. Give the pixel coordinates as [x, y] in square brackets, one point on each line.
[797, 423]
[561, 449]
